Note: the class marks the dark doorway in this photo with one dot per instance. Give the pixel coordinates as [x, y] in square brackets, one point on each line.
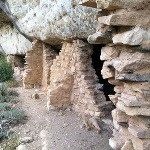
[108, 89]
[19, 61]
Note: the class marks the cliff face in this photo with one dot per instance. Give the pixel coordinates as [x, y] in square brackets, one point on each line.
[50, 21]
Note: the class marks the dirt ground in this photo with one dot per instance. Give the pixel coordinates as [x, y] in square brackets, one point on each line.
[63, 132]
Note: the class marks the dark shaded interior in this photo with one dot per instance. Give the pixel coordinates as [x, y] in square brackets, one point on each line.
[108, 89]
[19, 61]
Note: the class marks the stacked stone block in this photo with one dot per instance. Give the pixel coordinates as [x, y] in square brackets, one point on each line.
[86, 95]
[61, 79]
[34, 66]
[48, 55]
[38, 62]
[73, 81]
[124, 26]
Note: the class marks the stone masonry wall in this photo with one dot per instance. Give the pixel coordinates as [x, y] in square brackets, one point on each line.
[124, 26]
[61, 79]
[38, 62]
[48, 55]
[73, 81]
[34, 66]
[86, 96]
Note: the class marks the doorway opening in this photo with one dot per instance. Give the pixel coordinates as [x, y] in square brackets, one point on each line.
[108, 89]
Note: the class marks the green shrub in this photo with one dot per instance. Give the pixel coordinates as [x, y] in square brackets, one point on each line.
[15, 116]
[4, 107]
[12, 83]
[11, 142]
[6, 71]
[7, 95]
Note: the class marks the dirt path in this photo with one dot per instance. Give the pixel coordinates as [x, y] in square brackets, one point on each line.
[63, 132]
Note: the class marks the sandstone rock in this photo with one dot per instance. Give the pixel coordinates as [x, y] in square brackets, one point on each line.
[107, 70]
[133, 77]
[140, 121]
[35, 96]
[133, 111]
[46, 20]
[126, 19]
[88, 3]
[139, 144]
[21, 147]
[12, 42]
[136, 36]
[139, 132]
[101, 37]
[25, 140]
[116, 4]
[128, 145]
[129, 62]
[115, 143]
[108, 53]
[120, 116]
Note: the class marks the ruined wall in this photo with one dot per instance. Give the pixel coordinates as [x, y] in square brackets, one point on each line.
[73, 81]
[48, 55]
[38, 62]
[124, 27]
[34, 66]
[87, 98]
[61, 79]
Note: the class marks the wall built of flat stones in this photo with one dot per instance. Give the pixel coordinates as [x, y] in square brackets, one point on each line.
[48, 55]
[34, 66]
[61, 79]
[38, 62]
[126, 33]
[73, 81]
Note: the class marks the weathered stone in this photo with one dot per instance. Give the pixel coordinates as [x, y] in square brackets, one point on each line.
[136, 36]
[12, 42]
[107, 70]
[108, 53]
[120, 116]
[103, 36]
[140, 121]
[133, 77]
[88, 3]
[128, 145]
[126, 19]
[139, 132]
[26, 140]
[141, 144]
[116, 4]
[21, 147]
[133, 111]
[129, 62]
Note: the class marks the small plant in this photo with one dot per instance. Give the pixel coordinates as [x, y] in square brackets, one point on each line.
[14, 116]
[12, 83]
[11, 142]
[7, 95]
[6, 71]
[4, 107]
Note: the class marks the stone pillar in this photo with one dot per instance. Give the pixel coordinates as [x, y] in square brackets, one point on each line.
[61, 79]
[48, 55]
[87, 98]
[34, 66]
[73, 81]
